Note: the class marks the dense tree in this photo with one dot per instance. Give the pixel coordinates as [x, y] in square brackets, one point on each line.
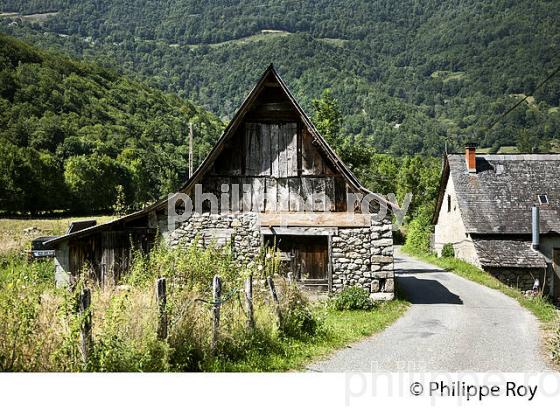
[409, 75]
[328, 118]
[381, 173]
[93, 182]
[71, 133]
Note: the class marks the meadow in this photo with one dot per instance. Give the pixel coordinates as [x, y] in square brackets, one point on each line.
[42, 327]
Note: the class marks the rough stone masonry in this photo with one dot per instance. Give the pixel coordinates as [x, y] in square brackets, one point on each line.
[359, 256]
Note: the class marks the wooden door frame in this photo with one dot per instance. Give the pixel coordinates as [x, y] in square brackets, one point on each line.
[297, 231]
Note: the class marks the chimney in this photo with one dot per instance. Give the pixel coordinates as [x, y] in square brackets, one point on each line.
[535, 214]
[470, 157]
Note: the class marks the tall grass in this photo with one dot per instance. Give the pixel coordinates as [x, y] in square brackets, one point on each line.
[40, 326]
[39, 330]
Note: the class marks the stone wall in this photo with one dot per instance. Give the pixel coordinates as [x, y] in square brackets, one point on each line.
[360, 256]
[239, 230]
[521, 278]
[364, 257]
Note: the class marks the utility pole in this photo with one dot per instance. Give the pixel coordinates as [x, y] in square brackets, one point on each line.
[190, 150]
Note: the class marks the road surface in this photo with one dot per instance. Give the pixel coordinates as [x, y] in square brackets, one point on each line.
[453, 325]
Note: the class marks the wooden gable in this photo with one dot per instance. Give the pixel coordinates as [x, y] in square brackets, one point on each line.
[275, 160]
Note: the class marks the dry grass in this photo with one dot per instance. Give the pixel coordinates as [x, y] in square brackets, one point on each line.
[16, 234]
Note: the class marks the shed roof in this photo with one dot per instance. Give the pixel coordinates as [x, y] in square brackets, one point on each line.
[504, 252]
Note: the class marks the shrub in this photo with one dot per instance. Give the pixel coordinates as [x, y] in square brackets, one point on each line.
[125, 332]
[298, 320]
[353, 298]
[447, 251]
[419, 233]
[34, 323]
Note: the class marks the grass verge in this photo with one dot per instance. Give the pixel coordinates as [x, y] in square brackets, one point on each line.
[539, 306]
[339, 328]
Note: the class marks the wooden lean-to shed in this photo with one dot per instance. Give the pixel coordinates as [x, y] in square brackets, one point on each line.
[278, 183]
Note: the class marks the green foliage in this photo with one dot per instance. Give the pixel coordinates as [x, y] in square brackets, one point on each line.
[119, 207]
[328, 118]
[408, 75]
[40, 330]
[448, 251]
[380, 173]
[71, 133]
[529, 142]
[555, 344]
[419, 232]
[93, 182]
[298, 320]
[352, 298]
[126, 340]
[35, 323]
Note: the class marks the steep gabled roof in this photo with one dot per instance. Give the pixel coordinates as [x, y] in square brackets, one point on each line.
[498, 198]
[269, 75]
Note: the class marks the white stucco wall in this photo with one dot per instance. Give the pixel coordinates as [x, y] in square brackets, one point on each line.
[451, 229]
[546, 248]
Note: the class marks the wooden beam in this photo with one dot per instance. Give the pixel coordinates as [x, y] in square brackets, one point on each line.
[330, 219]
[299, 231]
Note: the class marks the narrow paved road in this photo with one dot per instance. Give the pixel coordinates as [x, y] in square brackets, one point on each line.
[453, 325]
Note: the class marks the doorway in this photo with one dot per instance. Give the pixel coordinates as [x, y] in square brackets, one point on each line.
[306, 258]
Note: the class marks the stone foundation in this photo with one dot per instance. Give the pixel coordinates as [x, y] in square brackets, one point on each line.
[364, 257]
[359, 256]
[241, 231]
[521, 278]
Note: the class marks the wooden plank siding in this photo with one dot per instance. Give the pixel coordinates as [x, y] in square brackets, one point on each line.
[278, 169]
[268, 194]
[106, 255]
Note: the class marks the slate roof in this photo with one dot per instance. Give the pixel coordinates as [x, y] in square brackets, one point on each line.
[498, 198]
[505, 252]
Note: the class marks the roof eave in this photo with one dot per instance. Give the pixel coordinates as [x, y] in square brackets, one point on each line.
[444, 178]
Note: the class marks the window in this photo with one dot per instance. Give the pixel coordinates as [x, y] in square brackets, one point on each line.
[448, 203]
[543, 199]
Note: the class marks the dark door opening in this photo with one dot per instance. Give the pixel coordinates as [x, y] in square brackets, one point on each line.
[305, 257]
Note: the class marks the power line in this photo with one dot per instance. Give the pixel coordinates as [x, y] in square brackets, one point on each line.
[523, 99]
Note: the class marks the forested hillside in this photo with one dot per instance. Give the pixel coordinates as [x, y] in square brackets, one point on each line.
[409, 74]
[80, 137]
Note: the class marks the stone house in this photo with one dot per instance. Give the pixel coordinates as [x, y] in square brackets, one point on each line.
[270, 180]
[501, 213]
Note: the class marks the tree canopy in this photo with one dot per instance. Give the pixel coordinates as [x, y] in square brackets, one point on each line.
[71, 133]
[410, 76]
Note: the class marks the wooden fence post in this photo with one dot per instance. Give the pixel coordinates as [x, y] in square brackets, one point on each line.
[217, 292]
[275, 299]
[161, 297]
[249, 302]
[86, 339]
